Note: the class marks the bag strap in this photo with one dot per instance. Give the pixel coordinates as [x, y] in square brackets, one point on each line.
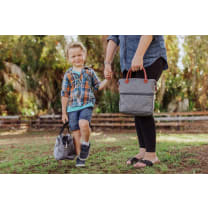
[130, 72]
[63, 127]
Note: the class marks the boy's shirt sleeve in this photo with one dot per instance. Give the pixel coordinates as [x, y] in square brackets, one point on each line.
[95, 81]
[65, 90]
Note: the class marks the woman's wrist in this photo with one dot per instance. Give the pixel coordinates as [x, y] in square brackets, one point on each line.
[107, 62]
[139, 54]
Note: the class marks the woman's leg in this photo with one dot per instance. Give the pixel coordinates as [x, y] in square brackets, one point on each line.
[142, 148]
[141, 142]
[147, 124]
[140, 137]
[147, 128]
[142, 126]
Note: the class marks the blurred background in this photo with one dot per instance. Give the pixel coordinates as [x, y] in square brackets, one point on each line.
[32, 69]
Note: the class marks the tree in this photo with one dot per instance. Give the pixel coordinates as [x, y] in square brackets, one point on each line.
[170, 84]
[196, 71]
[42, 60]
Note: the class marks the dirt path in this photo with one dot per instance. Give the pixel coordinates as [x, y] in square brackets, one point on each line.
[199, 161]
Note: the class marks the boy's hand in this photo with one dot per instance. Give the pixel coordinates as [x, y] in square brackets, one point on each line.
[103, 84]
[64, 118]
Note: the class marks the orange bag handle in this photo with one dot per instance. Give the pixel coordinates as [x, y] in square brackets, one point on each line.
[129, 76]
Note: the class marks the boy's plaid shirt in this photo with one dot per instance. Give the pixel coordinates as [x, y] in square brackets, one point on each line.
[79, 89]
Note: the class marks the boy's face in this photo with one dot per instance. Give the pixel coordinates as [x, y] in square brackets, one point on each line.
[77, 57]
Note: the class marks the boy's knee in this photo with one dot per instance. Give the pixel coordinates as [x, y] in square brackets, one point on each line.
[76, 133]
[83, 124]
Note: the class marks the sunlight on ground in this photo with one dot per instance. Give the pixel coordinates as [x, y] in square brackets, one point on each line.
[13, 132]
[108, 139]
[132, 138]
[24, 136]
[96, 133]
[183, 138]
[188, 138]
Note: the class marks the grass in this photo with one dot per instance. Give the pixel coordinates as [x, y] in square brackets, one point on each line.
[32, 152]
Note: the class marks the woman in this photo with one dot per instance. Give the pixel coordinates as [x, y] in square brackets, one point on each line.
[136, 52]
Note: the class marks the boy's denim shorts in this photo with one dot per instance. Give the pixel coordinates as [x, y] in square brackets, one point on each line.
[75, 116]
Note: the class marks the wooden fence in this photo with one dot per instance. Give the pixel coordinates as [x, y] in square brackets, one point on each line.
[181, 121]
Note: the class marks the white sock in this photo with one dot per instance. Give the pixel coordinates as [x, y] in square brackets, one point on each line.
[86, 143]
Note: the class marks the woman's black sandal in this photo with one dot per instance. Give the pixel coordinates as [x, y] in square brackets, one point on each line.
[133, 160]
[146, 162]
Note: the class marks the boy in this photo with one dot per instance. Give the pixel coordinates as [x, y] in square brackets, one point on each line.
[78, 99]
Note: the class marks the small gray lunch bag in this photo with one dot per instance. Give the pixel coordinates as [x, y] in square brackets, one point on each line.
[137, 95]
[64, 147]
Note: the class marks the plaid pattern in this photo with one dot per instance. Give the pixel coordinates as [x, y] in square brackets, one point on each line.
[79, 89]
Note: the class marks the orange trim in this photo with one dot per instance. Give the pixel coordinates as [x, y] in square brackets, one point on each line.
[129, 76]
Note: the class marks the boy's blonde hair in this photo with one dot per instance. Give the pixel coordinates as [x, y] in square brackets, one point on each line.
[75, 45]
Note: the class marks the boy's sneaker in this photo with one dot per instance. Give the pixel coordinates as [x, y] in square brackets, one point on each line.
[85, 149]
[80, 163]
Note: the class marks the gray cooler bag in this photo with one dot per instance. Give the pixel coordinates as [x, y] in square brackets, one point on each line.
[64, 147]
[137, 95]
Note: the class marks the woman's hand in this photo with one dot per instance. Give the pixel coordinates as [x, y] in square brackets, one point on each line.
[108, 72]
[64, 117]
[137, 63]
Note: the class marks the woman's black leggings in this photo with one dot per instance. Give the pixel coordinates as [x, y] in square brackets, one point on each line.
[145, 126]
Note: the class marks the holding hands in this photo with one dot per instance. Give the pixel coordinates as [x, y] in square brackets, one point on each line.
[108, 71]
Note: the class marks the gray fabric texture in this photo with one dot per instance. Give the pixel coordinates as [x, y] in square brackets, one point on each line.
[137, 97]
[64, 147]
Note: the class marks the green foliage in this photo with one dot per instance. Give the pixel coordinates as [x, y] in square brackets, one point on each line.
[109, 102]
[12, 104]
[10, 99]
[158, 106]
[29, 108]
[196, 70]
[43, 61]
[95, 50]
[173, 87]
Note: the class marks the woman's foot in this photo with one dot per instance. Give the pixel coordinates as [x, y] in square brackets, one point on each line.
[139, 156]
[149, 159]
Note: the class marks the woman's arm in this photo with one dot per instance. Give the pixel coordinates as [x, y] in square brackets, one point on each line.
[110, 53]
[137, 61]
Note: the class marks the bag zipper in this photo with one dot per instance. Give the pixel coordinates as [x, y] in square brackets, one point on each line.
[136, 93]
